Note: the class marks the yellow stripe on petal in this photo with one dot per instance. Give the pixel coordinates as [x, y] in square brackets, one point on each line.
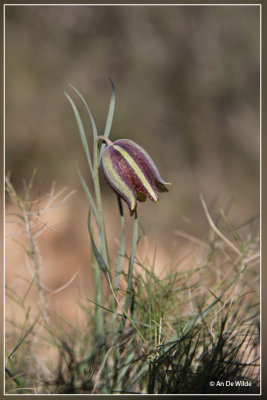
[116, 181]
[137, 171]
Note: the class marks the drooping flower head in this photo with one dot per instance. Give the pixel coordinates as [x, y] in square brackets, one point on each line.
[131, 172]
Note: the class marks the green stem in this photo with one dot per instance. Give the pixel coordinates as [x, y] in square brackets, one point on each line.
[99, 317]
[121, 255]
[129, 296]
[119, 267]
[103, 239]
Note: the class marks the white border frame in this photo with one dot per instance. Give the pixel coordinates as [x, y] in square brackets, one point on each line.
[4, 108]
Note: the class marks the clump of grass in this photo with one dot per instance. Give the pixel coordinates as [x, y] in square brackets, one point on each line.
[174, 334]
[29, 220]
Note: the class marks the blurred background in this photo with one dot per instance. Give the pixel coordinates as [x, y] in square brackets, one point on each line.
[187, 90]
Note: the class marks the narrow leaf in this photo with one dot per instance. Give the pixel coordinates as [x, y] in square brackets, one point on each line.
[23, 338]
[110, 111]
[81, 131]
[121, 315]
[109, 117]
[16, 377]
[205, 312]
[100, 261]
[88, 194]
[88, 110]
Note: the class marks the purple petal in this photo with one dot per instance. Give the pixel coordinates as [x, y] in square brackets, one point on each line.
[117, 175]
[145, 163]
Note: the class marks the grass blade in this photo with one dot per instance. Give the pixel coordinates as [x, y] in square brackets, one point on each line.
[16, 376]
[205, 312]
[121, 315]
[82, 133]
[23, 337]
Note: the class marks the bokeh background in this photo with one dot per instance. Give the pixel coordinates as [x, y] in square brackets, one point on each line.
[187, 90]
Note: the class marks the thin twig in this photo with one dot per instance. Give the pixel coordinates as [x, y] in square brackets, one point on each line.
[191, 238]
[46, 228]
[8, 235]
[214, 227]
[62, 287]
[253, 257]
[41, 210]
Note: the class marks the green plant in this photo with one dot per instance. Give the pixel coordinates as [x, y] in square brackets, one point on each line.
[142, 333]
[138, 323]
[133, 176]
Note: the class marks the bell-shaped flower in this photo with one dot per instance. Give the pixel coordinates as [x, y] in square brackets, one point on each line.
[131, 172]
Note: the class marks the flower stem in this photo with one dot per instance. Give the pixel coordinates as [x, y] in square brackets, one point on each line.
[104, 139]
[129, 296]
[103, 239]
[121, 255]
